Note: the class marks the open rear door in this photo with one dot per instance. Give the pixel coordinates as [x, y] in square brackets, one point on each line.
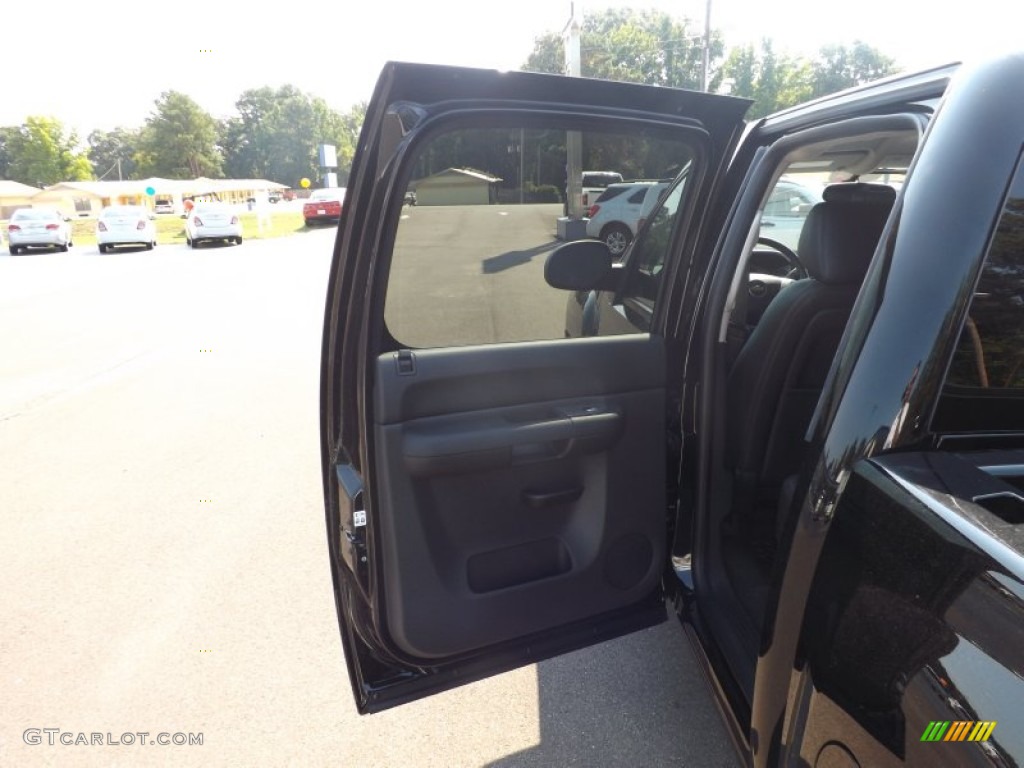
[495, 491]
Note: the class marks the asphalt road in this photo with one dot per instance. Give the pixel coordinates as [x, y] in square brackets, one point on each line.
[474, 275]
[163, 555]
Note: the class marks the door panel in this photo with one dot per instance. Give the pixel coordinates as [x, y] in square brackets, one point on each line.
[522, 480]
[495, 493]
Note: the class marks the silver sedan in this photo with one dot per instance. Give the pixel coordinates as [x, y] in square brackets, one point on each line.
[38, 228]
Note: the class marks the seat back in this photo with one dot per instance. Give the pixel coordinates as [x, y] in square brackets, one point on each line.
[776, 380]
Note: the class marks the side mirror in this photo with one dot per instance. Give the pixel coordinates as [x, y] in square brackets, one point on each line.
[582, 265]
[67, 218]
[184, 215]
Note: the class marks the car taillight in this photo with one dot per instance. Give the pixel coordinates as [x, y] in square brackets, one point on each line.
[101, 226]
[593, 211]
[53, 226]
[142, 225]
[13, 228]
[197, 221]
[234, 219]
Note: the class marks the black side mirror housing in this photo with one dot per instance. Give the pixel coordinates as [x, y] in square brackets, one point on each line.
[582, 265]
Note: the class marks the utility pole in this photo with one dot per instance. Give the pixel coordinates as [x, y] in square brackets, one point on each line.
[573, 139]
[706, 54]
[119, 169]
[522, 171]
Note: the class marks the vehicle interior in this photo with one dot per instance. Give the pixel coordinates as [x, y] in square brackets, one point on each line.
[779, 315]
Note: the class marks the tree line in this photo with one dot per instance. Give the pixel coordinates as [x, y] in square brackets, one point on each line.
[275, 132]
[654, 48]
[273, 135]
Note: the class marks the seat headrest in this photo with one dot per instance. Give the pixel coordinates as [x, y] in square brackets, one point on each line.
[840, 234]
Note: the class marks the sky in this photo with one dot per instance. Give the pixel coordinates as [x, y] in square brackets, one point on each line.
[103, 63]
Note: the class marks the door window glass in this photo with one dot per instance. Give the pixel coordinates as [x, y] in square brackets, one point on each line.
[490, 206]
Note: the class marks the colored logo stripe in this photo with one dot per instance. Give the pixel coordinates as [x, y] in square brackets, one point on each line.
[987, 731]
[959, 730]
[955, 730]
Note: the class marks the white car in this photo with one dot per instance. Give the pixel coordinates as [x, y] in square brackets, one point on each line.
[125, 225]
[615, 217]
[38, 228]
[163, 206]
[212, 221]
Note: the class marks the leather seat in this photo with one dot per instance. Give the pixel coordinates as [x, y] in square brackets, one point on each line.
[778, 375]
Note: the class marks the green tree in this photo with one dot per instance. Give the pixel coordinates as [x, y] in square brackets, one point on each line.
[634, 46]
[112, 153]
[6, 134]
[775, 82]
[840, 67]
[179, 140]
[351, 126]
[41, 152]
[276, 133]
[771, 81]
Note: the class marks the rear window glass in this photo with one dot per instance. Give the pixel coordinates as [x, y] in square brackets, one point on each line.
[326, 194]
[601, 179]
[34, 213]
[984, 389]
[609, 193]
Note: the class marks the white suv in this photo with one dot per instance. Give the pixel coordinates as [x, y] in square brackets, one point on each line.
[616, 215]
[596, 182]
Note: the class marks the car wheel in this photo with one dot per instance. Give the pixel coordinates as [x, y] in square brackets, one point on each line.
[149, 246]
[617, 237]
[188, 241]
[15, 250]
[63, 248]
[238, 240]
[102, 247]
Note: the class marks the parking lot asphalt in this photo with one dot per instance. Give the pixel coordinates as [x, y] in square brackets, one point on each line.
[162, 539]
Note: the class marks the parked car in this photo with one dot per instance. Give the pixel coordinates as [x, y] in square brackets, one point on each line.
[324, 205]
[786, 210]
[827, 491]
[596, 182]
[163, 206]
[38, 228]
[208, 221]
[616, 214]
[125, 225]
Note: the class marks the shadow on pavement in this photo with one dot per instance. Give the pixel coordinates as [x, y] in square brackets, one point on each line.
[636, 701]
[512, 259]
